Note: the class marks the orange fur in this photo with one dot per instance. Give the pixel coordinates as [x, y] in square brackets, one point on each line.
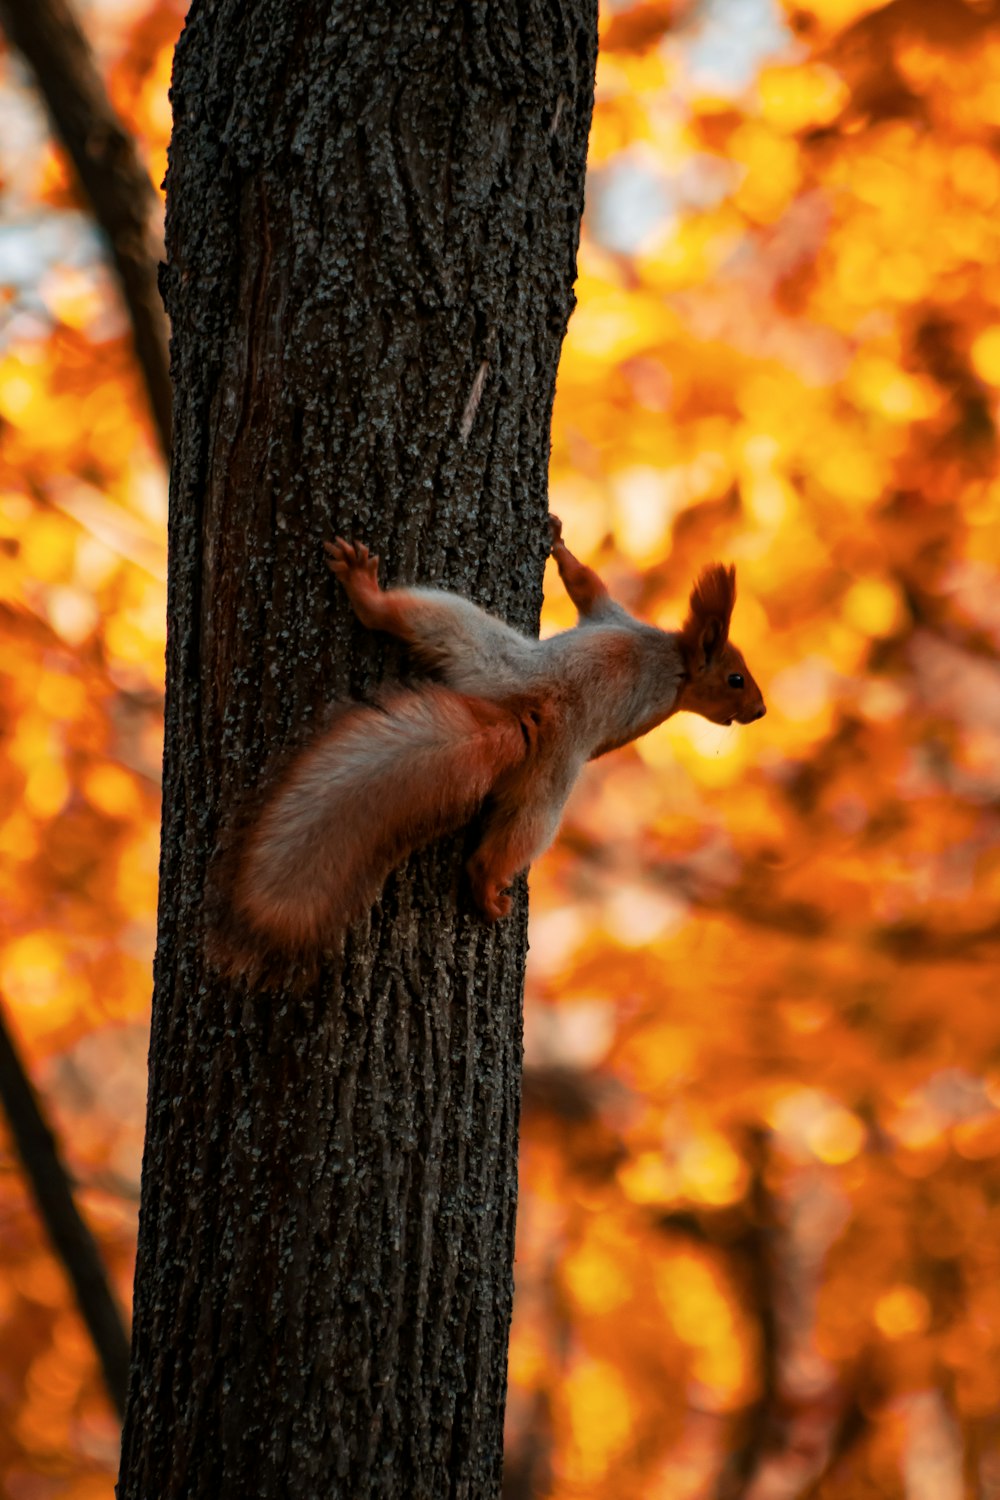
[385, 779]
[508, 729]
[582, 584]
[713, 662]
[711, 606]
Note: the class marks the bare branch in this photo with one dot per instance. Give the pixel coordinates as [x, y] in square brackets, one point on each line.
[71, 1238]
[49, 38]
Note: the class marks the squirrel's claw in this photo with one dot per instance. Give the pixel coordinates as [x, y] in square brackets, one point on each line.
[344, 557]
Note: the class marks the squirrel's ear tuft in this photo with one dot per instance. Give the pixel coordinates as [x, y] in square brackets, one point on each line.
[706, 628]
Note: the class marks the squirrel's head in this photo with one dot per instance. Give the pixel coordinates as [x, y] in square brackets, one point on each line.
[718, 684]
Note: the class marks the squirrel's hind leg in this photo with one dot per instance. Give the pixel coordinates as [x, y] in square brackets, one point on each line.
[520, 822]
[508, 845]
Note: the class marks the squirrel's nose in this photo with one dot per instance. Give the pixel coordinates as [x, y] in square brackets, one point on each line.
[760, 713]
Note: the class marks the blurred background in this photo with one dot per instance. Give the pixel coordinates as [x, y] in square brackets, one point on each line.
[759, 1236]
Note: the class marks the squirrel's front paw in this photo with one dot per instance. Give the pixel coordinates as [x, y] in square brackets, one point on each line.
[346, 558]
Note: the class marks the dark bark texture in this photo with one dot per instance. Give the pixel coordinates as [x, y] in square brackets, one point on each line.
[373, 215]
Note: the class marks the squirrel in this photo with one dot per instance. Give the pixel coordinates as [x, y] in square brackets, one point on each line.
[503, 727]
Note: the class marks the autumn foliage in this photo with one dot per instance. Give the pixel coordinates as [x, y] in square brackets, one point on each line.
[759, 1245]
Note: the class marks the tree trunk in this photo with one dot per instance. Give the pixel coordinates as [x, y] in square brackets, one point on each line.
[373, 214]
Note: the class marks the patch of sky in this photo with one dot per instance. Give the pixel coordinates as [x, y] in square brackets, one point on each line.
[36, 243]
[718, 49]
[30, 248]
[722, 48]
[637, 197]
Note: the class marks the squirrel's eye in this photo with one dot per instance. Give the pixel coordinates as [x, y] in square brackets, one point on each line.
[735, 679]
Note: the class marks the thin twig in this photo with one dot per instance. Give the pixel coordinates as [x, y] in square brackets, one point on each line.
[71, 1238]
[50, 39]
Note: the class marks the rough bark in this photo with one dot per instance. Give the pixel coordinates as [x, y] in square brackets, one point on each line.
[373, 214]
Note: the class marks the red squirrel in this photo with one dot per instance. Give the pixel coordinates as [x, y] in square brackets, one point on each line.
[505, 727]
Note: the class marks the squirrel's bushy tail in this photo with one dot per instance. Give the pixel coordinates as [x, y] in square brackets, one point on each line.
[381, 781]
